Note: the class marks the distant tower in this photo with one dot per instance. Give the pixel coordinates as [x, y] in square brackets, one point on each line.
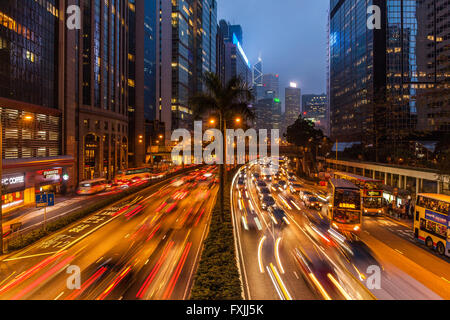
[258, 84]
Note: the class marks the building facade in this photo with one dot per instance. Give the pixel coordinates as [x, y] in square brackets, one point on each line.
[293, 97]
[236, 61]
[387, 84]
[314, 108]
[32, 102]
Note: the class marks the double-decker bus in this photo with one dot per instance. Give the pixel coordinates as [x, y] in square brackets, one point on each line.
[344, 210]
[371, 192]
[128, 175]
[432, 222]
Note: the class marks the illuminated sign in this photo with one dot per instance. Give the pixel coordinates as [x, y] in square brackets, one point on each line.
[238, 45]
[293, 85]
[347, 205]
[13, 182]
[371, 193]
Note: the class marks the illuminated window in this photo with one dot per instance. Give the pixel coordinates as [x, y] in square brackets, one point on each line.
[41, 152]
[11, 153]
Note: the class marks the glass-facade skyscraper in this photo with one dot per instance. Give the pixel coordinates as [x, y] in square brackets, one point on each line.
[386, 84]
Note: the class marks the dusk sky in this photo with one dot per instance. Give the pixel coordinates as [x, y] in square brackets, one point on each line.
[290, 35]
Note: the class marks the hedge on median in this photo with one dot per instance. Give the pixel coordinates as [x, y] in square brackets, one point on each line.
[217, 276]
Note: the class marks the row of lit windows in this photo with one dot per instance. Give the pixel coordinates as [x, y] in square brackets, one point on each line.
[41, 152]
[13, 114]
[11, 133]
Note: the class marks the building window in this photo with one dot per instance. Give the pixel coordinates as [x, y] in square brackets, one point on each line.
[11, 153]
[41, 117]
[41, 135]
[41, 152]
[53, 152]
[11, 114]
[86, 124]
[54, 120]
[53, 136]
[27, 152]
[11, 133]
[26, 134]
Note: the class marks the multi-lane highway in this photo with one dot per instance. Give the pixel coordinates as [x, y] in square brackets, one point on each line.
[301, 257]
[144, 247]
[281, 259]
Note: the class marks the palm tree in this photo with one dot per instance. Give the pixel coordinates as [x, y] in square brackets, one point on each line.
[227, 101]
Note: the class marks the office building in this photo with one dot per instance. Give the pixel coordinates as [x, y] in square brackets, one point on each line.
[314, 108]
[258, 84]
[271, 82]
[386, 84]
[236, 61]
[292, 105]
[32, 102]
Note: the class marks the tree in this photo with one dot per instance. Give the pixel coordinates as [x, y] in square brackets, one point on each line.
[227, 101]
[304, 134]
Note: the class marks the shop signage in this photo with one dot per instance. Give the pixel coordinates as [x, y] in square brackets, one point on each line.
[47, 177]
[13, 182]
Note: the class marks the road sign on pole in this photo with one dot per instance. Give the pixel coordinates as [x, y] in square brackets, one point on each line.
[44, 200]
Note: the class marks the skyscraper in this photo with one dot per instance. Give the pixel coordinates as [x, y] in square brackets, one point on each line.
[386, 84]
[258, 85]
[237, 30]
[357, 70]
[193, 53]
[101, 120]
[236, 61]
[271, 83]
[314, 108]
[292, 105]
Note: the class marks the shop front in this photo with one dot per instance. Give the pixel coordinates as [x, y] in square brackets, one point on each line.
[21, 180]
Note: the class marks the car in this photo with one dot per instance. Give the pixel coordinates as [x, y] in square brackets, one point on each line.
[264, 192]
[283, 184]
[255, 176]
[241, 183]
[305, 194]
[267, 202]
[314, 203]
[277, 215]
[295, 188]
[261, 184]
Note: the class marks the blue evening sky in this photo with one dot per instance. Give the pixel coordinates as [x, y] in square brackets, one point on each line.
[290, 36]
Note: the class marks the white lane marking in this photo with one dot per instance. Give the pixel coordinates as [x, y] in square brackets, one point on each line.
[399, 251]
[296, 275]
[59, 295]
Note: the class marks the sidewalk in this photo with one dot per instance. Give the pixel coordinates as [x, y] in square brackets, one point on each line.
[30, 212]
[406, 222]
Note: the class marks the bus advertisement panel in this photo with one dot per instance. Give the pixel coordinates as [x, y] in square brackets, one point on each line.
[432, 222]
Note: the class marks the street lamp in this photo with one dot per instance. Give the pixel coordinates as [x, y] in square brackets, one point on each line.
[238, 120]
[212, 121]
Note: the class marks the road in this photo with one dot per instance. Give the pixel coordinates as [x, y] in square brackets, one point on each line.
[270, 254]
[410, 271]
[144, 247]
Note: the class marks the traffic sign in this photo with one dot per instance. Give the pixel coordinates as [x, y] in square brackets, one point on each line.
[51, 199]
[44, 200]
